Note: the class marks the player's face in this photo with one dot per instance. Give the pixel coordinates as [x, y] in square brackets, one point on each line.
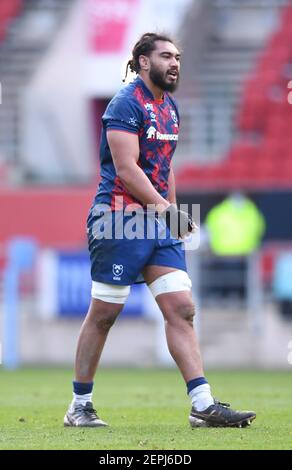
[165, 66]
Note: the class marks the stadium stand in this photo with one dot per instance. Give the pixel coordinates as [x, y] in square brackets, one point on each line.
[260, 152]
[8, 10]
[26, 32]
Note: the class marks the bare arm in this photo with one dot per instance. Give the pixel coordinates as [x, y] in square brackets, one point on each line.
[171, 187]
[125, 152]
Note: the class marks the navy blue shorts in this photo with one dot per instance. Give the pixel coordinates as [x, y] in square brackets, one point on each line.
[116, 259]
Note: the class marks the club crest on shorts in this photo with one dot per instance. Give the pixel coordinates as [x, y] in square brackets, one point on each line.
[118, 270]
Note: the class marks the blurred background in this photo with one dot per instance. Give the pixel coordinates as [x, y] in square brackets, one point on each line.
[61, 61]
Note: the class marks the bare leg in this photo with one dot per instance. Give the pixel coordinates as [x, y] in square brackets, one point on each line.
[178, 311]
[182, 341]
[100, 317]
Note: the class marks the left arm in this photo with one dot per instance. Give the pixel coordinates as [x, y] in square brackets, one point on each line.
[171, 187]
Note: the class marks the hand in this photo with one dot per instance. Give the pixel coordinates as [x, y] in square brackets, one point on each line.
[180, 223]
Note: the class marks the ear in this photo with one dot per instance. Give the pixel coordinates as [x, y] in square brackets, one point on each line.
[144, 62]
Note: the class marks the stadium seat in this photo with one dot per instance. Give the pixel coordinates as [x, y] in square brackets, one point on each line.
[8, 9]
[264, 119]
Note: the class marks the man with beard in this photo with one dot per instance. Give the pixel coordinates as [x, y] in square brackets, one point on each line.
[140, 132]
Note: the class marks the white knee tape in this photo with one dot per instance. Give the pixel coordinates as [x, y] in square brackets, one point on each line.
[109, 292]
[172, 282]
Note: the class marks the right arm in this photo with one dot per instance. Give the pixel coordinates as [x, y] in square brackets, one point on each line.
[124, 147]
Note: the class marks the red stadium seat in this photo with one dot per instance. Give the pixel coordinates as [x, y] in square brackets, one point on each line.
[8, 9]
[264, 115]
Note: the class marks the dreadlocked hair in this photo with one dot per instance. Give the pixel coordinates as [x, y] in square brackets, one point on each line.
[144, 46]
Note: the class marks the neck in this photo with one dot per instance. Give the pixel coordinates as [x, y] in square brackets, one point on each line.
[156, 91]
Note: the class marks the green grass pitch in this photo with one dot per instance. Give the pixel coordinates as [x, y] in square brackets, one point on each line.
[146, 409]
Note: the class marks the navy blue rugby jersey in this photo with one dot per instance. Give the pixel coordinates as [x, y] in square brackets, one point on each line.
[134, 109]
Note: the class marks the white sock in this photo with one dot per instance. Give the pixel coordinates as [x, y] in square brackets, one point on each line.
[201, 397]
[80, 399]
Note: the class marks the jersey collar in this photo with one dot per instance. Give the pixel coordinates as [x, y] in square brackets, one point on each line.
[140, 82]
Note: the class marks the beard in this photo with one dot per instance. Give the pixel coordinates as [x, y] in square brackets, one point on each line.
[159, 79]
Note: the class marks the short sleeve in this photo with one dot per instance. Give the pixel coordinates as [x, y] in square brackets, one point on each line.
[124, 114]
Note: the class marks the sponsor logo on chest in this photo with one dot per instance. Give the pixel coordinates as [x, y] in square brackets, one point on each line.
[154, 134]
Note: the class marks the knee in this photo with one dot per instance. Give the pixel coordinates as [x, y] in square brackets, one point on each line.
[187, 312]
[104, 323]
[103, 320]
[183, 312]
